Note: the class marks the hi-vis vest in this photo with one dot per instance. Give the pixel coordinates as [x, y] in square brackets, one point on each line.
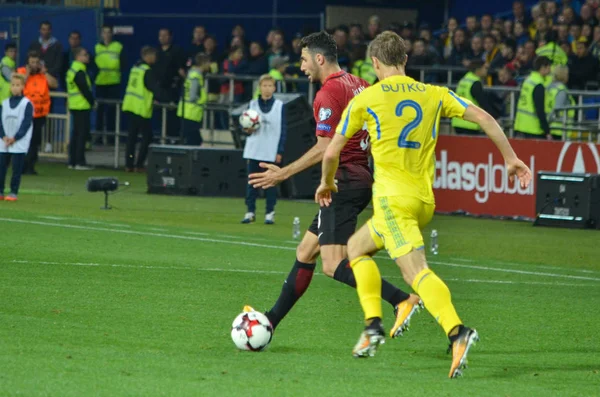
[76, 99]
[108, 63]
[38, 92]
[279, 83]
[464, 90]
[364, 70]
[550, 100]
[138, 99]
[554, 52]
[188, 109]
[262, 145]
[526, 119]
[5, 85]
[12, 119]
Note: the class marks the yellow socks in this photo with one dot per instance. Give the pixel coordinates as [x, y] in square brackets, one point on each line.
[436, 297]
[368, 285]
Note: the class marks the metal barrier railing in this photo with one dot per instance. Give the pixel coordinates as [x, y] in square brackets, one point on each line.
[57, 132]
[583, 129]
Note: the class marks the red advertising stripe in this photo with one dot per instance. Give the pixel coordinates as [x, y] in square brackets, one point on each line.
[470, 173]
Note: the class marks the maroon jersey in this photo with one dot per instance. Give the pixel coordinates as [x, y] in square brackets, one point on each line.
[331, 100]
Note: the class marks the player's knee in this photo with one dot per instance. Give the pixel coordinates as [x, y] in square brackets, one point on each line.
[306, 253]
[353, 250]
[329, 266]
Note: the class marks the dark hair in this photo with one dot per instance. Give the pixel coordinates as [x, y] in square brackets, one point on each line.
[10, 46]
[550, 36]
[168, 31]
[343, 28]
[389, 48]
[487, 15]
[512, 44]
[45, 22]
[77, 51]
[356, 25]
[321, 43]
[75, 32]
[476, 64]
[541, 62]
[359, 53]
[490, 36]
[147, 50]
[33, 54]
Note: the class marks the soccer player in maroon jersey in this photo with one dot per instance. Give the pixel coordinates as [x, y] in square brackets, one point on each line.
[332, 227]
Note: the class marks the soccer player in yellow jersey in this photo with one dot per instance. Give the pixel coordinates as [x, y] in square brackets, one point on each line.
[403, 118]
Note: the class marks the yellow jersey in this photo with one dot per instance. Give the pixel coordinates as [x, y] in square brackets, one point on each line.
[403, 118]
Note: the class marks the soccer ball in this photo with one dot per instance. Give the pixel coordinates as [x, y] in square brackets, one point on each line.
[250, 119]
[251, 331]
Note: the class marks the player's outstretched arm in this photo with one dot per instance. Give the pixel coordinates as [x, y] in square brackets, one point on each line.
[489, 125]
[331, 161]
[274, 175]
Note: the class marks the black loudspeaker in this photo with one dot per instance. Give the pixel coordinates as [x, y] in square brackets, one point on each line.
[568, 200]
[300, 127]
[196, 171]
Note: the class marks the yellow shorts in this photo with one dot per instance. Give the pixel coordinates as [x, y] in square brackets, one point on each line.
[397, 222]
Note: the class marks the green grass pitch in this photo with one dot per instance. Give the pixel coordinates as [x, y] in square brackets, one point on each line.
[138, 301]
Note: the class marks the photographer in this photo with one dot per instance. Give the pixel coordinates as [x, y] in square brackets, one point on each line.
[37, 89]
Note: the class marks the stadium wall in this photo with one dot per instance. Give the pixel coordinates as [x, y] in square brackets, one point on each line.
[63, 20]
[430, 11]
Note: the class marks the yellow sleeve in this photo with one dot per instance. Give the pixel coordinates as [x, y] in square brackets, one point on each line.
[453, 105]
[203, 94]
[352, 119]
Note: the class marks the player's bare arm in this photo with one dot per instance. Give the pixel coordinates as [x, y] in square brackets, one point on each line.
[515, 167]
[331, 160]
[274, 175]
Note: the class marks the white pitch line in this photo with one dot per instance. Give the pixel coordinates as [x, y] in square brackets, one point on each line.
[279, 247]
[255, 271]
[495, 269]
[52, 218]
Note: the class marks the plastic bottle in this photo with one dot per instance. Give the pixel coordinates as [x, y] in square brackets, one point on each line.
[296, 228]
[434, 242]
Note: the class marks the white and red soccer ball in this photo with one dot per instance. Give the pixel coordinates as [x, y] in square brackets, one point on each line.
[251, 331]
[250, 119]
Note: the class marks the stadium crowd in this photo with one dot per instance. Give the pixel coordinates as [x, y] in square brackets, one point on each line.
[497, 51]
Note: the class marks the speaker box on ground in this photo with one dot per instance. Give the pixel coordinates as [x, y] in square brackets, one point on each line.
[196, 171]
[568, 200]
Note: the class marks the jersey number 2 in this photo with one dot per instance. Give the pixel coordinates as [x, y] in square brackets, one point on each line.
[403, 141]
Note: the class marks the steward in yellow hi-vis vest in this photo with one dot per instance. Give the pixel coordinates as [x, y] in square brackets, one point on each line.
[191, 106]
[109, 58]
[557, 96]
[80, 101]
[7, 67]
[530, 121]
[141, 89]
[471, 87]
